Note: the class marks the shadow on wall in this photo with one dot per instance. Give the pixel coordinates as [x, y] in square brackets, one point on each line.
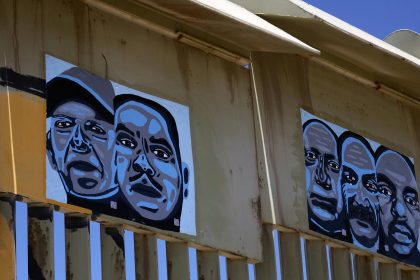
[29, 84]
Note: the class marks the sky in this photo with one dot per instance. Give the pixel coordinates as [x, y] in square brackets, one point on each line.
[377, 17]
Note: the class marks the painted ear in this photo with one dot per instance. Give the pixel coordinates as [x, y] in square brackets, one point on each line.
[50, 153]
[185, 177]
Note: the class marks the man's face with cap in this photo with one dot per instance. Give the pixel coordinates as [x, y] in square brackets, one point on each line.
[148, 169]
[81, 144]
[399, 204]
[322, 168]
[358, 180]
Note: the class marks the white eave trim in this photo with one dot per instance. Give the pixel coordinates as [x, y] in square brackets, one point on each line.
[355, 32]
[240, 14]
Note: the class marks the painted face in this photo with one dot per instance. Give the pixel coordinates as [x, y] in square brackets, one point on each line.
[81, 149]
[322, 168]
[148, 170]
[358, 181]
[399, 204]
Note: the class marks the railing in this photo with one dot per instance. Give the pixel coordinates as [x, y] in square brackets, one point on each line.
[39, 242]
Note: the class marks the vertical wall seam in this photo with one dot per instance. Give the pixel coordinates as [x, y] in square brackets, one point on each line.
[10, 129]
[270, 192]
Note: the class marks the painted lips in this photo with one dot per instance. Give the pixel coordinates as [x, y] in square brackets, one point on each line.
[144, 186]
[402, 234]
[326, 203]
[365, 214]
[87, 174]
[146, 190]
[83, 166]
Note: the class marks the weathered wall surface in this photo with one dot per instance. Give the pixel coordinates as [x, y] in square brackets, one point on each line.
[282, 86]
[287, 83]
[6, 166]
[217, 92]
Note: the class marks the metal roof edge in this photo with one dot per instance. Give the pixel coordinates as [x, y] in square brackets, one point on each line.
[244, 16]
[405, 39]
[230, 22]
[355, 32]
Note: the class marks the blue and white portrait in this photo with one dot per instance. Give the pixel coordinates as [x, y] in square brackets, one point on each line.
[322, 167]
[399, 201]
[359, 191]
[80, 137]
[149, 170]
[118, 151]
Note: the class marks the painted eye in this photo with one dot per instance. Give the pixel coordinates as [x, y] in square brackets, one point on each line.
[371, 187]
[385, 191]
[97, 129]
[348, 176]
[160, 153]
[63, 124]
[334, 165]
[94, 127]
[126, 142]
[411, 201]
[310, 156]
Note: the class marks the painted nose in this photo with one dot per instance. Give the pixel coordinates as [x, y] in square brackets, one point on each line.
[78, 142]
[361, 193]
[141, 164]
[398, 209]
[321, 176]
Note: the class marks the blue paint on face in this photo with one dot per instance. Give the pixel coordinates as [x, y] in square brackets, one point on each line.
[154, 127]
[94, 160]
[79, 173]
[399, 202]
[133, 116]
[322, 168]
[358, 180]
[80, 150]
[122, 165]
[146, 163]
[171, 190]
[147, 205]
[166, 168]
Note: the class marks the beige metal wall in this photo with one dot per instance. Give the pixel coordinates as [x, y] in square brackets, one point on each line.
[218, 94]
[236, 162]
[284, 84]
[281, 84]
[287, 83]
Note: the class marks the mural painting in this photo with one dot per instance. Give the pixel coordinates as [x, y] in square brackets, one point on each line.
[359, 191]
[118, 151]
